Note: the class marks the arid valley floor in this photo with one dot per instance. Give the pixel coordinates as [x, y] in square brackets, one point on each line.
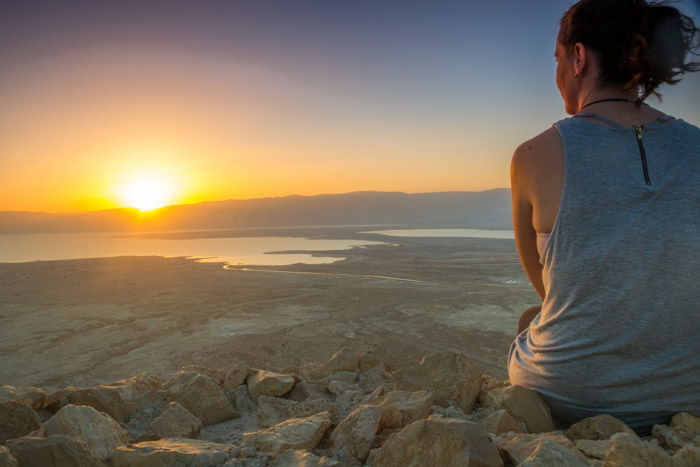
[89, 321]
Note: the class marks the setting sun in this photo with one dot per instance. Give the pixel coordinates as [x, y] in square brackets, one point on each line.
[146, 193]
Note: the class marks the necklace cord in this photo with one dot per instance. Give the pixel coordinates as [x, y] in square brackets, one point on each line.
[605, 100]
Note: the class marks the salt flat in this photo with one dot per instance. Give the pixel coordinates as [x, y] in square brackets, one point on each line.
[89, 321]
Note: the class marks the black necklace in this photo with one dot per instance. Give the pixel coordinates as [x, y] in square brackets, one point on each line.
[604, 100]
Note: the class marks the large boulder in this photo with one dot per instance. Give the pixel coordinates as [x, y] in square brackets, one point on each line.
[445, 442]
[593, 449]
[34, 397]
[499, 422]
[16, 419]
[102, 398]
[399, 408]
[449, 376]
[299, 458]
[234, 377]
[599, 427]
[684, 429]
[294, 433]
[627, 449]
[345, 359]
[201, 395]
[52, 451]
[353, 436]
[272, 410]
[100, 432]
[172, 451]
[517, 447]
[316, 389]
[6, 458]
[524, 404]
[175, 422]
[137, 389]
[268, 383]
[548, 453]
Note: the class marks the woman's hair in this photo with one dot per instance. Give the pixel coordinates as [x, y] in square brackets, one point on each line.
[638, 44]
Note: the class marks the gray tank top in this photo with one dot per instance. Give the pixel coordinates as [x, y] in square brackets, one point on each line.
[619, 330]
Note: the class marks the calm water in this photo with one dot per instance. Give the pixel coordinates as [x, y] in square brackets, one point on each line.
[241, 250]
[473, 233]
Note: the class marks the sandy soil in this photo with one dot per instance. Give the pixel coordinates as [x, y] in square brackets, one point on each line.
[89, 321]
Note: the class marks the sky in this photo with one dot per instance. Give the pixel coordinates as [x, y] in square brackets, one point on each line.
[222, 99]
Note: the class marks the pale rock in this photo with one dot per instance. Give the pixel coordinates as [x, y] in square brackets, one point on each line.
[670, 438]
[354, 435]
[100, 432]
[137, 389]
[597, 428]
[58, 399]
[272, 410]
[299, 458]
[241, 399]
[267, 383]
[349, 377]
[338, 387]
[316, 389]
[450, 377]
[593, 448]
[523, 404]
[446, 442]
[235, 377]
[175, 422]
[201, 395]
[7, 459]
[374, 377]
[217, 374]
[548, 453]
[294, 433]
[500, 422]
[172, 451]
[686, 421]
[52, 451]
[687, 456]
[517, 447]
[345, 359]
[16, 419]
[140, 419]
[627, 449]
[104, 399]
[399, 408]
[488, 383]
[36, 398]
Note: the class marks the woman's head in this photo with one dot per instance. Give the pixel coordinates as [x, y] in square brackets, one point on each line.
[634, 45]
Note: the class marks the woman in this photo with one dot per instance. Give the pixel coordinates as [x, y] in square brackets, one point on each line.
[606, 211]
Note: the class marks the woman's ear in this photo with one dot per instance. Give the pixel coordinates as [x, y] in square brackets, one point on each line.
[580, 58]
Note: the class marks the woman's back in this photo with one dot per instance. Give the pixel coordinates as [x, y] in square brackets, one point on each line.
[619, 331]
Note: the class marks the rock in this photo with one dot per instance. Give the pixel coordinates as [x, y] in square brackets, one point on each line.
[140, 419]
[595, 449]
[373, 378]
[272, 410]
[58, 399]
[450, 377]
[317, 389]
[99, 431]
[102, 398]
[234, 377]
[687, 422]
[349, 377]
[684, 428]
[446, 442]
[500, 422]
[299, 458]
[687, 456]
[16, 419]
[627, 449]
[353, 436]
[399, 408]
[548, 453]
[523, 404]
[517, 447]
[36, 398]
[137, 389]
[54, 450]
[488, 383]
[669, 438]
[344, 359]
[7, 459]
[267, 383]
[597, 428]
[202, 396]
[175, 422]
[339, 387]
[241, 399]
[294, 433]
[217, 374]
[172, 451]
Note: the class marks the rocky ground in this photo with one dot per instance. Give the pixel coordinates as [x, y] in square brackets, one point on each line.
[354, 409]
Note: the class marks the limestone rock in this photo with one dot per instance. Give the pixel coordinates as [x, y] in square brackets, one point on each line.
[523, 404]
[272, 410]
[54, 450]
[684, 428]
[294, 433]
[137, 389]
[7, 459]
[450, 377]
[446, 442]
[688, 422]
[140, 419]
[175, 422]
[172, 451]
[99, 431]
[349, 377]
[669, 438]
[593, 448]
[234, 377]
[299, 458]
[16, 419]
[518, 447]
[627, 449]
[102, 398]
[34, 397]
[338, 387]
[399, 408]
[241, 399]
[374, 377]
[316, 389]
[58, 399]
[345, 359]
[500, 422]
[353, 436]
[217, 374]
[267, 383]
[597, 428]
[548, 453]
[687, 456]
[202, 396]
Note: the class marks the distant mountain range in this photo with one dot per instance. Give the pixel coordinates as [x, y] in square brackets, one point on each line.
[475, 209]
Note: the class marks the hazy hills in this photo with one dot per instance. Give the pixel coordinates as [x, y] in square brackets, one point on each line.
[480, 209]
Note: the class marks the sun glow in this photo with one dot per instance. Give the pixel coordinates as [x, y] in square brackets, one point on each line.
[146, 193]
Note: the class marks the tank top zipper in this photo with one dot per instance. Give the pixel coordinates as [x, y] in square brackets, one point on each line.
[642, 154]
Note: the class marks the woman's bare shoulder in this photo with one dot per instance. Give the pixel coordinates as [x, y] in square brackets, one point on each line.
[539, 151]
